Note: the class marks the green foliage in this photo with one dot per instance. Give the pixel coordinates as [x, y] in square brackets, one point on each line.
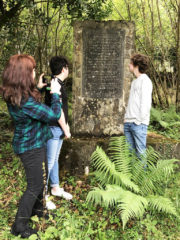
[89, 9]
[107, 173]
[127, 184]
[43, 29]
[161, 204]
[156, 36]
[166, 122]
[76, 219]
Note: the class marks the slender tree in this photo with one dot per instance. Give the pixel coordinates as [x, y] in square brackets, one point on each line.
[178, 59]
[157, 35]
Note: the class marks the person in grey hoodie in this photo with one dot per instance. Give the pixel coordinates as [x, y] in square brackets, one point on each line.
[137, 114]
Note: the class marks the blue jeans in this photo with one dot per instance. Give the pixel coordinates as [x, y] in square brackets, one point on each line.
[136, 137]
[53, 149]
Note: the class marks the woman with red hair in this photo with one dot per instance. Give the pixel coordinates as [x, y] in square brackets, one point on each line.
[31, 132]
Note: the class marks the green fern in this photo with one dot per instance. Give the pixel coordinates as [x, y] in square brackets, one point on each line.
[162, 170]
[107, 171]
[161, 204]
[130, 206]
[126, 184]
[119, 154]
[108, 196]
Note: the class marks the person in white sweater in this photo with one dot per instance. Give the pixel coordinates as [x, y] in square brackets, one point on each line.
[137, 114]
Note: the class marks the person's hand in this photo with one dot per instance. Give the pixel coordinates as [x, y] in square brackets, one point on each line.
[67, 135]
[55, 86]
[40, 83]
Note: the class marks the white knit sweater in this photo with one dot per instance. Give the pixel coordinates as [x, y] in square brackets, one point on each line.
[140, 98]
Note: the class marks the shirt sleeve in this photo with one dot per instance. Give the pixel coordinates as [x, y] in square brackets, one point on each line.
[145, 99]
[42, 112]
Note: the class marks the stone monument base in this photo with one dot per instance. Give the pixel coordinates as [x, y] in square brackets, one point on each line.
[76, 152]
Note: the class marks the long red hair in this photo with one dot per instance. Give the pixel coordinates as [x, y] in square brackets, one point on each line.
[18, 81]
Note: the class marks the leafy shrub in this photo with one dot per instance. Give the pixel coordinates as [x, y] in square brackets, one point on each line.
[166, 122]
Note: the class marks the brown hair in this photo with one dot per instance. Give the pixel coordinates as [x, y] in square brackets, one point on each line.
[18, 82]
[141, 61]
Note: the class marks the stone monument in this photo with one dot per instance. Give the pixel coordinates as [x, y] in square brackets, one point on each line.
[101, 83]
[101, 78]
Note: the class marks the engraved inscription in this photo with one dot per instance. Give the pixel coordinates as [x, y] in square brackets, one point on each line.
[103, 53]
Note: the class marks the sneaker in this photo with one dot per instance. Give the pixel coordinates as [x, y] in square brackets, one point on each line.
[49, 204]
[61, 193]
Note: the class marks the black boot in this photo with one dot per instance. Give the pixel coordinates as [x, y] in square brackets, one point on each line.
[28, 232]
[25, 233]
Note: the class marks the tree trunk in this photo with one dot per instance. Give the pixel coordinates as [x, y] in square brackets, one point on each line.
[178, 59]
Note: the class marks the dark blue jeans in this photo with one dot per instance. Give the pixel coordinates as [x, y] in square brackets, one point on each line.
[31, 203]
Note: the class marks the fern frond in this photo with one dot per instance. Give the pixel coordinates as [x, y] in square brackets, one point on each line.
[156, 115]
[117, 178]
[167, 166]
[150, 179]
[131, 205]
[102, 164]
[147, 186]
[174, 124]
[101, 161]
[107, 173]
[126, 182]
[140, 177]
[161, 204]
[109, 196]
[100, 178]
[95, 196]
[152, 156]
[162, 170]
[112, 194]
[119, 153]
[164, 124]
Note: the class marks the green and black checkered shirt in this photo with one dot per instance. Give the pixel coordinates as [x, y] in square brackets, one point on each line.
[31, 123]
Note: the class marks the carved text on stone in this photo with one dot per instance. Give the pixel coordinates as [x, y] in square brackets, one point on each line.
[103, 63]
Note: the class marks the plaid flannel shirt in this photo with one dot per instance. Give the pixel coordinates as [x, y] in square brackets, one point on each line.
[31, 123]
